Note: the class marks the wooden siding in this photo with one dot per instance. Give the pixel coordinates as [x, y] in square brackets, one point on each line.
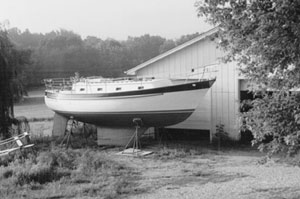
[225, 99]
[182, 62]
[220, 105]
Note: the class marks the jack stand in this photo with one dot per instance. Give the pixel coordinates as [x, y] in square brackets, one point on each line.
[68, 132]
[136, 145]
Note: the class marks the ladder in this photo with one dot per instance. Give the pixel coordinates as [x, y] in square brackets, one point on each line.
[19, 142]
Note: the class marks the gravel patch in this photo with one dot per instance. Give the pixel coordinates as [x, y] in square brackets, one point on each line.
[217, 177]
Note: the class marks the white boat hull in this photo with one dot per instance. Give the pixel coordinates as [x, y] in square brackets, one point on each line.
[154, 108]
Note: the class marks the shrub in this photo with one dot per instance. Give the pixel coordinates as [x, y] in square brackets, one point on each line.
[37, 173]
[46, 167]
[67, 174]
[59, 158]
[221, 137]
[7, 173]
[276, 117]
[91, 161]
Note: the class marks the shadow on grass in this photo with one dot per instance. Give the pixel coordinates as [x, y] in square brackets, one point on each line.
[204, 177]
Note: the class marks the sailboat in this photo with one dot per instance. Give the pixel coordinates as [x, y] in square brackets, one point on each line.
[117, 102]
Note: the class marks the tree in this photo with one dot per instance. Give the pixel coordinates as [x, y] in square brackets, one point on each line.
[263, 37]
[6, 75]
[92, 41]
[185, 38]
[144, 47]
[24, 40]
[11, 79]
[167, 45]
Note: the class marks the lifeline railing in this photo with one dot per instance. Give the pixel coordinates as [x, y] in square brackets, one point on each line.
[58, 83]
[201, 73]
[197, 73]
[67, 83]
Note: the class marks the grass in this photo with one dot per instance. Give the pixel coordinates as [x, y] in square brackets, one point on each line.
[62, 173]
[54, 172]
[179, 151]
[34, 108]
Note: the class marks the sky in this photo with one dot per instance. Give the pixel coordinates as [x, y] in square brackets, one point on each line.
[115, 19]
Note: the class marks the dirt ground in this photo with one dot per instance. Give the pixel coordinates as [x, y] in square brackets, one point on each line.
[240, 174]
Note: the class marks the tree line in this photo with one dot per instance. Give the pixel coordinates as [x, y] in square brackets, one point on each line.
[63, 52]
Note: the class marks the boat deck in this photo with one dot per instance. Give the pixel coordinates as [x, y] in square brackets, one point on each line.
[108, 85]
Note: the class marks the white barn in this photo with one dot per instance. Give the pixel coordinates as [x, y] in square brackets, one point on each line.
[200, 58]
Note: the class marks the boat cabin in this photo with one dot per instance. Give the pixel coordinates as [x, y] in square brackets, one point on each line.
[117, 85]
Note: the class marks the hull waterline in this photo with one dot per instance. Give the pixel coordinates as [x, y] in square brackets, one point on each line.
[125, 119]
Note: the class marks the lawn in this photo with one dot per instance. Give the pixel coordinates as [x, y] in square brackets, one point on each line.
[34, 109]
[53, 171]
[179, 170]
[61, 173]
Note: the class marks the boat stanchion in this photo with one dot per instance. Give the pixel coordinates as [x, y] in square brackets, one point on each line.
[134, 140]
[68, 132]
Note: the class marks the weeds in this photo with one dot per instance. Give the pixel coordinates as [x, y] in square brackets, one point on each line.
[221, 136]
[222, 139]
[178, 151]
[67, 173]
[35, 174]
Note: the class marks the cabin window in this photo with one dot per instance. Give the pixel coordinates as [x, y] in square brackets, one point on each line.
[99, 89]
[82, 89]
[118, 88]
[141, 87]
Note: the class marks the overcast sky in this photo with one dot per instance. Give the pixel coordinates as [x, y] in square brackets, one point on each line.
[116, 19]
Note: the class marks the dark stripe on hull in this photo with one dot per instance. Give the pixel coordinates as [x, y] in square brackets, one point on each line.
[150, 119]
[175, 88]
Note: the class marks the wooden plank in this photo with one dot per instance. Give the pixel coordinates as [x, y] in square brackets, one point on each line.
[232, 76]
[194, 56]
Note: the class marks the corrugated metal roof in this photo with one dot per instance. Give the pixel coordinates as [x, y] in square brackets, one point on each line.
[163, 55]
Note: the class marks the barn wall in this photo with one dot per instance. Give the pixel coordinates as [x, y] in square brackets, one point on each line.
[225, 99]
[220, 104]
[181, 63]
